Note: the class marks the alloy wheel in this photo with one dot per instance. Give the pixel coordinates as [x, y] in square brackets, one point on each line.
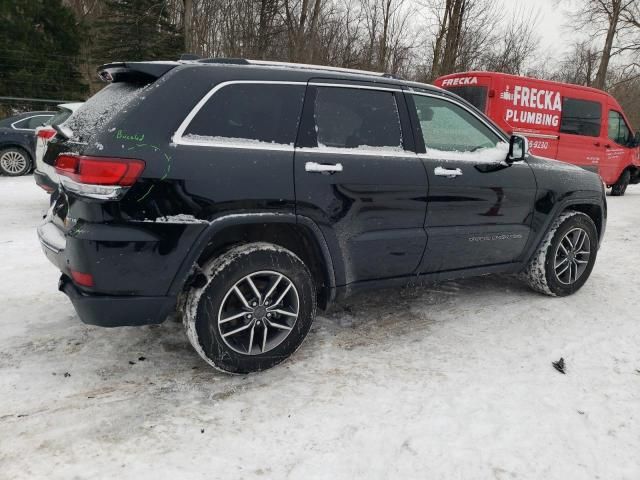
[13, 162]
[258, 312]
[572, 256]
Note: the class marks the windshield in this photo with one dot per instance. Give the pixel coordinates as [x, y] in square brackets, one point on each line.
[475, 95]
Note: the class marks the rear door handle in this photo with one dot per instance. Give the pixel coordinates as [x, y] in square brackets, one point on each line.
[322, 167]
[447, 172]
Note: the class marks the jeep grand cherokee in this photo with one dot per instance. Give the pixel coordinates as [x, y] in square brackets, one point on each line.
[245, 194]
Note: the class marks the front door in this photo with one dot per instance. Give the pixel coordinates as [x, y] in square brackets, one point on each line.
[357, 178]
[479, 206]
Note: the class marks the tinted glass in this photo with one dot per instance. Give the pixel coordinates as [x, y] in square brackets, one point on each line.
[96, 112]
[250, 112]
[357, 118]
[35, 122]
[59, 117]
[476, 96]
[448, 127]
[580, 117]
[619, 132]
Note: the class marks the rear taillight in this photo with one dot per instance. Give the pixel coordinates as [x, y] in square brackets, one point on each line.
[46, 133]
[84, 279]
[98, 177]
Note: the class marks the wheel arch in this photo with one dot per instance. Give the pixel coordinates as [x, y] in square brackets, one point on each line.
[298, 234]
[18, 145]
[590, 205]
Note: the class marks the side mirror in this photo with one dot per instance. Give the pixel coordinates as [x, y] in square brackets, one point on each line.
[636, 139]
[518, 148]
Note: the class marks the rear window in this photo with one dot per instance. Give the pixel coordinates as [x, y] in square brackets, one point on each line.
[580, 117]
[246, 113]
[59, 117]
[357, 118]
[94, 114]
[476, 96]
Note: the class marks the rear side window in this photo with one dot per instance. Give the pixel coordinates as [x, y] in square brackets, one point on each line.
[357, 118]
[476, 96]
[619, 132]
[32, 123]
[580, 117]
[249, 113]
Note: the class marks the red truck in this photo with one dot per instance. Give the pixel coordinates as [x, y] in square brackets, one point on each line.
[575, 124]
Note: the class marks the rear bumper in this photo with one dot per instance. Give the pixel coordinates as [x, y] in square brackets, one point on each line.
[116, 311]
[44, 182]
[97, 306]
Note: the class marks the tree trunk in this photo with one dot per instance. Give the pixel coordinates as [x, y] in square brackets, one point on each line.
[188, 26]
[614, 16]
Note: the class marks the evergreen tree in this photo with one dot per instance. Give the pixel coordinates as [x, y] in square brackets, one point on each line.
[40, 41]
[136, 30]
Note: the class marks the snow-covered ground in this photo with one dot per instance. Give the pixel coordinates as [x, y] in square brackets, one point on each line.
[449, 382]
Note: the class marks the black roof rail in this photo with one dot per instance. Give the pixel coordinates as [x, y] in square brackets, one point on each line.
[231, 61]
[189, 56]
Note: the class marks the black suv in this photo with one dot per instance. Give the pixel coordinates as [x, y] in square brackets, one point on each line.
[245, 194]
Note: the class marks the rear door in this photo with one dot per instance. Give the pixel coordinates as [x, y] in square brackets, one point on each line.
[479, 207]
[358, 178]
[581, 133]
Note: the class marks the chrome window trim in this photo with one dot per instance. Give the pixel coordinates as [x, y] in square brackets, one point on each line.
[13, 125]
[179, 139]
[360, 87]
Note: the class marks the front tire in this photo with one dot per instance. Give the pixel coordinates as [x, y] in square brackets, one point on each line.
[254, 311]
[14, 162]
[565, 258]
[618, 189]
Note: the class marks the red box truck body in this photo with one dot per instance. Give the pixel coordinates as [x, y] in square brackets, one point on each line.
[575, 124]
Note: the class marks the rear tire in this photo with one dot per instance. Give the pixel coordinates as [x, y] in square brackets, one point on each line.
[618, 189]
[14, 162]
[565, 258]
[254, 311]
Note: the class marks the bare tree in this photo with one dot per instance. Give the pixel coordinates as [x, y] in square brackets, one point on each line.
[604, 18]
[515, 45]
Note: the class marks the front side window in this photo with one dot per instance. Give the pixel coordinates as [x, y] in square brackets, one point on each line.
[619, 132]
[357, 118]
[448, 127]
[580, 117]
[249, 113]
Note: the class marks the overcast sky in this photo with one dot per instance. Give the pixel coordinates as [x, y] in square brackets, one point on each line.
[555, 36]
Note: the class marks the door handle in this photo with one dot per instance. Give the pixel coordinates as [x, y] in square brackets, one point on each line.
[597, 144]
[447, 172]
[322, 167]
